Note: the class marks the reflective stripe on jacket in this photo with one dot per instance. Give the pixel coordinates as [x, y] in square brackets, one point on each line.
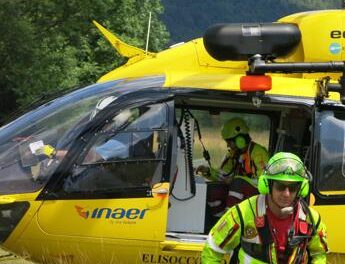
[242, 226]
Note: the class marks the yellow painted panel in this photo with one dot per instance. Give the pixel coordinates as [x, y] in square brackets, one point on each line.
[333, 216]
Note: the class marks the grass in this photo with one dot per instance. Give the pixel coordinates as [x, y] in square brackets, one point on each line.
[8, 258]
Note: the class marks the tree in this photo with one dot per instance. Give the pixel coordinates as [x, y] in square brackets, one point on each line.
[52, 45]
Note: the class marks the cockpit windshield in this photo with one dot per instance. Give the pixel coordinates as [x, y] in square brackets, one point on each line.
[32, 146]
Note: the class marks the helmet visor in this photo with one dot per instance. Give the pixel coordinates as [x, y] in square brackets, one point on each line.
[287, 167]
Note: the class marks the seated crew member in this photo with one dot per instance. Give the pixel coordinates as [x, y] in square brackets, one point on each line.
[243, 164]
[276, 226]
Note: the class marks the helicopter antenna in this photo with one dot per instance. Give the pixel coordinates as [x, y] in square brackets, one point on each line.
[148, 33]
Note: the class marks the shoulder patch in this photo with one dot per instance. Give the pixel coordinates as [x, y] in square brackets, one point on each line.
[249, 232]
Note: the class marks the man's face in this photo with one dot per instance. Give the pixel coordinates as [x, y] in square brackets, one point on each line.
[231, 144]
[284, 193]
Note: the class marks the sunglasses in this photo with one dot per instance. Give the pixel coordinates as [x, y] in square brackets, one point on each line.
[281, 187]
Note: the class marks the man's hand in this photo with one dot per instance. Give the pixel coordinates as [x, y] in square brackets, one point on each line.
[203, 170]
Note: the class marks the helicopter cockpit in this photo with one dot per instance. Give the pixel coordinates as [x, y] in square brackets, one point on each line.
[57, 124]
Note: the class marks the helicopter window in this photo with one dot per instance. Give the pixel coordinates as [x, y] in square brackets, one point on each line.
[54, 124]
[109, 147]
[127, 152]
[332, 164]
[293, 133]
[126, 145]
[211, 125]
[146, 145]
[153, 117]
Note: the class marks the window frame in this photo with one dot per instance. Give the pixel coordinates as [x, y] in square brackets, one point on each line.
[323, 198]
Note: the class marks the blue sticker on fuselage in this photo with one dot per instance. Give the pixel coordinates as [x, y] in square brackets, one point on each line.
[335, 48]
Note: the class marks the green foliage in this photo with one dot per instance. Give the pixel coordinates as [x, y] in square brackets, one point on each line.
[187, 20]
[53, 45]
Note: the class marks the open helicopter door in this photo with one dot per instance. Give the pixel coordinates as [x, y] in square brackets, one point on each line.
[110, 204]
[187, 200]
[329, 171]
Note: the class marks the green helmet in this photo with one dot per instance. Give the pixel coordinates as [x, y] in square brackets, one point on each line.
[234, 127]
[284, 166]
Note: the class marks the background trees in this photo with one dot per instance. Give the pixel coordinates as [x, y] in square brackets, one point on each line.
[51, 45]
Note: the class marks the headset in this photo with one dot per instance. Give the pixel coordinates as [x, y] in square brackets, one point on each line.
[240, 142]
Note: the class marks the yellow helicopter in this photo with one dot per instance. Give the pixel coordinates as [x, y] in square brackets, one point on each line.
[106, 173]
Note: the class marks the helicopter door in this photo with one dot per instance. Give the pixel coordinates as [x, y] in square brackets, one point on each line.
[114, 194]
[329, 175]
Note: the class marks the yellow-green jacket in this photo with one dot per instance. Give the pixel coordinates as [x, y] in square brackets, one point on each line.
[242, 226]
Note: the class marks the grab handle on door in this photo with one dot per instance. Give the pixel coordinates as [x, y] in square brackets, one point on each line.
[160, 193]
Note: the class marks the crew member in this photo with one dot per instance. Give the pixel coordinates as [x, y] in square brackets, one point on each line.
[243, 163]
[276, 226]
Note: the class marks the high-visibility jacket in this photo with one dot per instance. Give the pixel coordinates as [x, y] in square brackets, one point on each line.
[251, 163]
[245, 227]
